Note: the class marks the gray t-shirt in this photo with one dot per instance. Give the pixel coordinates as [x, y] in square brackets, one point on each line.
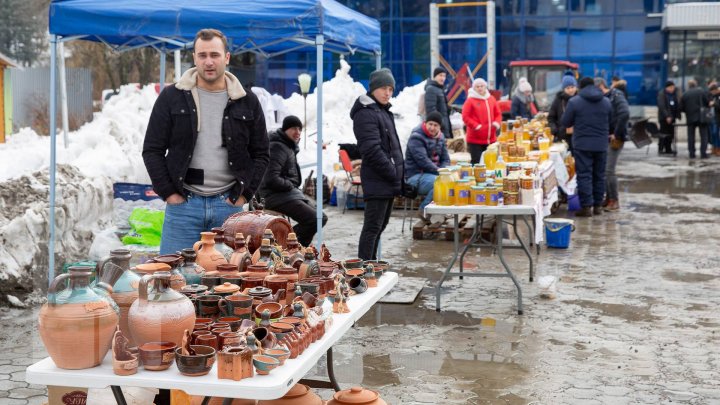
[209, 171]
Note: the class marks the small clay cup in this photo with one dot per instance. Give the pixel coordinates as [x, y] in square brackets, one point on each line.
[357, 284]
[196, 365]
[211, 281]
[208, 305]
[232, 321]
[237, 305]
[251, 282]
[197, 333]
[231, 339]
[203, 320]
[264, 364]
[157, 356]
[274, 284]
[279, 353]
[207, 340]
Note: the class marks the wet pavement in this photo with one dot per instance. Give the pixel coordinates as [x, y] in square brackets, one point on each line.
[634, 320]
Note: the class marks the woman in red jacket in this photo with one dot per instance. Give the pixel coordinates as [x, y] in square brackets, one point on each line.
[482, 118]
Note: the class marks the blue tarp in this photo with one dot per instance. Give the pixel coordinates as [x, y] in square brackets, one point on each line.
[261, 26]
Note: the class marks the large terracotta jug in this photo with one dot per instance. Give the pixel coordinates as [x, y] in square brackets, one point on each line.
[125, 289]
[76, 325]
[207, 256]
[161, 314]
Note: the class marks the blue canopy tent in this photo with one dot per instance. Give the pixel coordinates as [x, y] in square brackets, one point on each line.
[266, 28]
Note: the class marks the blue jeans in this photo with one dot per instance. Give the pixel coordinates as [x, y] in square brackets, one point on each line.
[425, 187]
[590, 169]
[184, 222]
[715, 134]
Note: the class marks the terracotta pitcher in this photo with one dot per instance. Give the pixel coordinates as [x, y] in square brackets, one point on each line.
[125, 289]
[161, 314]
[207, 256]
[77, 324]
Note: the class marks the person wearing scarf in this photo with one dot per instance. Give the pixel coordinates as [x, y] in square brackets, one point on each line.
[481, 115]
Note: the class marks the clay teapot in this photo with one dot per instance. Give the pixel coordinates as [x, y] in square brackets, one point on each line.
[356, 396]
[207, 255]
[125, 289]
[299, 394]
[162, 314]
[77, 324]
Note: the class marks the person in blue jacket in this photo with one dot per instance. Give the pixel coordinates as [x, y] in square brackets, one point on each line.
[590, 115]
[382, 171]
[426, 152]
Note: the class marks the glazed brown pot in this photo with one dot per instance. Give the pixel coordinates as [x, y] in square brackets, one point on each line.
[207, 256]
[198, 364]
[77, 333]
[162, 314]
[253, 224]
[299, 394]
[356, 396]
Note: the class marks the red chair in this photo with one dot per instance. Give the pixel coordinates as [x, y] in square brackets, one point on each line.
[347, 167]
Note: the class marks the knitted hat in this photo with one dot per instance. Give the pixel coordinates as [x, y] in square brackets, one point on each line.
[669, 83]
[524, 85]
[434, 117]
[586, 81]
[439, 70]
[291, 121]
[478, 81]
[568, 81]
[380, 78]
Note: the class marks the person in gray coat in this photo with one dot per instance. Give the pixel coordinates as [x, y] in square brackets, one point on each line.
[618, 136]
[692, 101]
[435, 99]
[280, 186]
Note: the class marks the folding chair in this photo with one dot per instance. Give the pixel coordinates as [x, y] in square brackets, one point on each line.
[347, 167]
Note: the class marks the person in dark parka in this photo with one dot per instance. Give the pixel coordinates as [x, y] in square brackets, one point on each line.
[692, 101]
[382, 172]
[280, 186]
[590, 114]
[668, 102]
[559, 104]
[435, 99]
[618, 136]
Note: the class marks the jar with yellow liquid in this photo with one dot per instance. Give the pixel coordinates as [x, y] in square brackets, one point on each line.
[492, 194]
[465, 170]
[490, 157]
[477, 195]
[462, 192]
[443, 188]
[479, 172]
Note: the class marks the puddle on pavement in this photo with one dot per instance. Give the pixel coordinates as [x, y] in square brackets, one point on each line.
[697, 307]
[629, 313]
[705, 182]
[674, 275]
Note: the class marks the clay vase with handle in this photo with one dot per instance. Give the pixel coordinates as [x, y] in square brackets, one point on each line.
[207, 256]
[125, 289]
[160, 314]
[76, 325]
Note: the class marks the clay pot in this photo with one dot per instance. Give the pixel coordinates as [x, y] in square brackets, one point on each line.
[281, 354]
[264, 364]
[238, 305]
[275, 283]
[157, 356]
[229, 339]
[232, 321]
[309, 287]
[379, 264]
[76, 325]
[355, 396]
[228, 270]
[207, 256]
[354, 273]
[274, 308]
[211, 280]
[357, 284]
[235, 364]
[173, 260]
[249, 282]
[252, 224]
[256, 270]
[225, 289]
[197, 333]
[259, 293]
[353, 264]
[280, 329]
[162, 314]
[195, 365]
[207, 340]
[208, 305]
[193, 289]
[299, 394]
[264, 337]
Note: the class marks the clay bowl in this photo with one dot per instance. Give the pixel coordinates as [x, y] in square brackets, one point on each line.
[354, 273]
[203, 320]
[292, 320]
[157, 356]
[279, 353]
[264, 364]
[353, 264]
[313, 287]
[280, 329]
[232, 321]
[379, 264]
[274, 307]
[199, 364]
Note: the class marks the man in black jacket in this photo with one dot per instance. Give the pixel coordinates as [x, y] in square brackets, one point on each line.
[282, 178]
[382, 174]
[668, 102]
[692, 101]
[435, 99]
[206, 146]
[618, 136]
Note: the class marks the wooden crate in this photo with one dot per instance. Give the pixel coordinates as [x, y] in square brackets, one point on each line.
[443, 230]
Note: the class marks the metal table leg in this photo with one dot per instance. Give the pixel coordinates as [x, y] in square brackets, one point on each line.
[499, 220]
[450, 266]
[332, 384]
[119, 397]
[206, 401]
[522, 243]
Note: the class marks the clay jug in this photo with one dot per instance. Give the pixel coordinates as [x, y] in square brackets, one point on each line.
[125, 289]
[220, 244]
[77, 324]
[299, 394]
[207, 256]
[241, 257]
[309, 266]
[190, 269]
[253, 224]
[263, 256]
[356, 396]
[161, 314]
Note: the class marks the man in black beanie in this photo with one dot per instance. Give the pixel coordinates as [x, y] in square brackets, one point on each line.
[382, 174]
[590, 115]
[280, 186]
[435, 99]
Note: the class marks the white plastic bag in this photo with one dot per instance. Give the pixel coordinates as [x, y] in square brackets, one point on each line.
[547, 286]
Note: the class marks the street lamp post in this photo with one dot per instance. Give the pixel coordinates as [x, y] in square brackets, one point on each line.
[304, 80]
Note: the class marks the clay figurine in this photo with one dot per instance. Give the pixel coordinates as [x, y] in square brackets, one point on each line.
[341, 295]
[124, 362]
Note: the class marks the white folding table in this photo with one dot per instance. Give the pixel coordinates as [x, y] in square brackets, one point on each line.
[479, 211]
[271, 386]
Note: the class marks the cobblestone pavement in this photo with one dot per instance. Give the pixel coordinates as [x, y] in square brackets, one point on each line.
[635, 319]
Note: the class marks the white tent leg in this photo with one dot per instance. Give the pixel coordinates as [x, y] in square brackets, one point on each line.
[178, 66]
[53, 128]
[319, 42]
[162, 70]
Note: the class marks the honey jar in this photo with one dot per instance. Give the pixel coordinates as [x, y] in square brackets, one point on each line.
[462, 192]
[477, 195]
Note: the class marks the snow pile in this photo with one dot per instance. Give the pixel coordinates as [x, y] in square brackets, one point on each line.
[108, 150]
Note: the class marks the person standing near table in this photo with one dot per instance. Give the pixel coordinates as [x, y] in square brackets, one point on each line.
[482, 117]
[435, 99]
[692, 102]
[381, 173]
[206, 146]
[618, 136]
[668, 102]
[559, 104]
[590, 114]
